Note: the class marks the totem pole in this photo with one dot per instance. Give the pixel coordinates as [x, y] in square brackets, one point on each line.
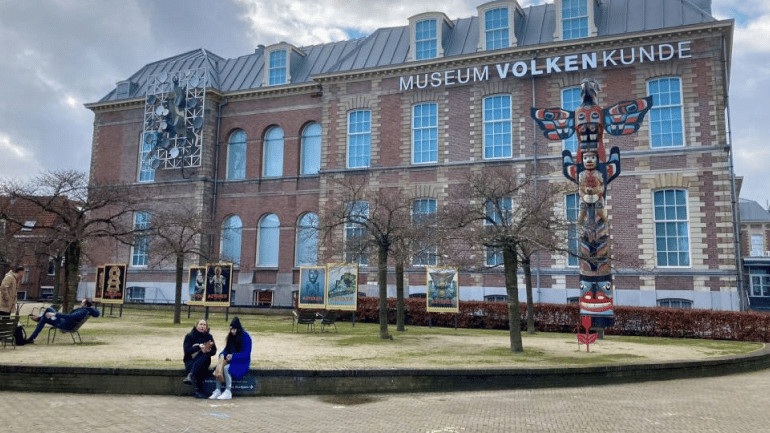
[592, 171]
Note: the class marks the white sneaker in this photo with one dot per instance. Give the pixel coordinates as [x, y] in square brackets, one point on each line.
[215, 395]
[227, 395]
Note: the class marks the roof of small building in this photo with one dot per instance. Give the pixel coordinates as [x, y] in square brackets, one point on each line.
[390, 46]
[752, 211]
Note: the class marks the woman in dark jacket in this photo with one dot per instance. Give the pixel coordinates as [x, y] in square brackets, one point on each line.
[236, 357]
[198, 347]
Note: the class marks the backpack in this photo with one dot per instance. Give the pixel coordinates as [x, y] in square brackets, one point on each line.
[20, 336]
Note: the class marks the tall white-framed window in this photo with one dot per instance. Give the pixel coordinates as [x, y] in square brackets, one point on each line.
[236, 155]
[277, 67]
[570, 100]
[572, 206]
[141, 248]
[425, 133]
[497, 127]
[424, 217]
[232, 230]
[757, 245]
[273, 166]
[359, 138]
[672, 228]
[499, 213]
[496, 28]
[426, 39]
[307, 240]
[146, 172]
[269, 237]
[356, 234]
[311, 149]
[666, 126]
[574, 19]
[760, 283]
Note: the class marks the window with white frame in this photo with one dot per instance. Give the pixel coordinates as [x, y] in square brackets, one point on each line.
[574, 19]
[311, 149]
[426, 39]
[46, 292]
[307, 240]
[675, 303]
[672, 238]
[757, 245]
[570, 100]
[273, 166]
[498, 213]
[497, 127]
[146, 172]
[269, 236]
[356, 233]
[232, 229]
[359, 138]
[424, 218]
[666, 127]
[141, 248]
[425, 133]
[760, 284]
[572, 205]
[236, 155]
[496, 28]
[277, 67]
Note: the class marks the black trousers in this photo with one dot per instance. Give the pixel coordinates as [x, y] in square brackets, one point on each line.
[199, 367]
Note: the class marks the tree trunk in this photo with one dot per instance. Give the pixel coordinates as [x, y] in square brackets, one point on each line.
[178, 288]
[382, 281]
[400, 307]
[510, 262]
[526, 264]
[71, 269]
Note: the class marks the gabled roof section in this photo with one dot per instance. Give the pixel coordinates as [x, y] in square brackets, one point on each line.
[752, 212]
[390, 46]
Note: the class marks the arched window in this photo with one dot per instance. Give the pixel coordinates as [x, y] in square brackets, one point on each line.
[231, 239]
[236, 155]
[273, 152]
[269, 236]
[307, 240]
[311, 149]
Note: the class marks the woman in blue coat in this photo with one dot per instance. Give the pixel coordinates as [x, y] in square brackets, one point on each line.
[235, 359]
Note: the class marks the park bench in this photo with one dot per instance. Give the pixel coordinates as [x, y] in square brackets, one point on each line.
[304, 317]
[8, 326]
[74, 331]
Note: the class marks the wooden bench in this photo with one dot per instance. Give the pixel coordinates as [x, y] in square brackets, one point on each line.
[304, 317]
[8, 326]
[72, 332]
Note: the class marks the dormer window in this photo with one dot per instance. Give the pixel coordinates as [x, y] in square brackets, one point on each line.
[429, 33]
[575, 19]
[28, 225]
[278, 61]
[496, 24]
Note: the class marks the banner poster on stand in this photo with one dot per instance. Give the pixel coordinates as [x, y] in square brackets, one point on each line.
[312, 281]
[342, 286]
[114, 283]
[99, 287]
[219, 281]
[443, 290]
[196, 283]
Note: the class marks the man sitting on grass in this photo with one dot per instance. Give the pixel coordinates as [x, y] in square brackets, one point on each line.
[60, 320]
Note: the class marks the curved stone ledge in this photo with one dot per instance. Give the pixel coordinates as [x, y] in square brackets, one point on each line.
[276, 382]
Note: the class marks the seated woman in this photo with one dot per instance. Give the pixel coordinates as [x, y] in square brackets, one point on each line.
[233, 361]
[60, 320]
[198, 348]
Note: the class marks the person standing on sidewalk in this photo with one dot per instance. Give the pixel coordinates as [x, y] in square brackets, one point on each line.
[9, 290]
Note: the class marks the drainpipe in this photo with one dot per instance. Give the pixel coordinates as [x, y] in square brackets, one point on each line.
[534, 145]
[216, 171]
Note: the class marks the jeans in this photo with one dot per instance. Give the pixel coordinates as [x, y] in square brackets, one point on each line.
[199, 368]
[228, 378]
[43, 321]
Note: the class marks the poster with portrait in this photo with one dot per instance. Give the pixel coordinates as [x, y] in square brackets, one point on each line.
[312, 282]
[196, 285]
[443, 290]
[342, 286]
[219, 281]
[114, 283]
[99, 287]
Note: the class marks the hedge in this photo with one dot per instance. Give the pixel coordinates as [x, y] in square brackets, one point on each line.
[640, 321]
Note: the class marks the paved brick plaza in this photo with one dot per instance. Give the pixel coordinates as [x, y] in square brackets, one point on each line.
[736, 403]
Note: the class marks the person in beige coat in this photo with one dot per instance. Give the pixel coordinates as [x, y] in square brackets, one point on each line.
[8, 290]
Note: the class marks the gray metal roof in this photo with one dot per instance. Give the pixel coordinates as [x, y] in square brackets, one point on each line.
[752, 211]
[390, 46]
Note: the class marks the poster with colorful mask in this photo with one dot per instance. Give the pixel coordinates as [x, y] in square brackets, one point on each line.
[443, 290]
[342, 286]
[99, 288]
[196, 284]
[114, 283]
[218, 284]
[312, 281]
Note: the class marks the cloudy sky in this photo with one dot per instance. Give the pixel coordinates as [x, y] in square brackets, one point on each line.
[59, 54]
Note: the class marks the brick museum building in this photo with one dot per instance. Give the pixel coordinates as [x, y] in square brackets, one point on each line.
[260, 143]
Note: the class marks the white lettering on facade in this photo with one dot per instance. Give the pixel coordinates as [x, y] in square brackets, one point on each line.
[551, 65]
[570, 63]
[607, 56]
[684, 50]
[519, 69]
[589, 61]
[623, 56]
[502, 70]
